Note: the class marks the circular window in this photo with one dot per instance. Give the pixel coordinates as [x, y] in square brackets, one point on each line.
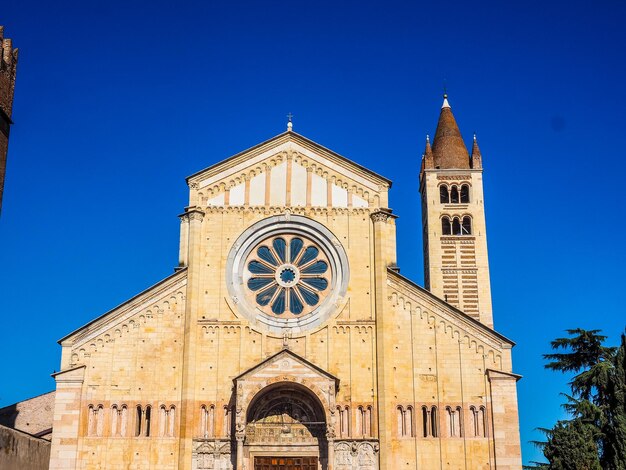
[287, 275]
[287, 272]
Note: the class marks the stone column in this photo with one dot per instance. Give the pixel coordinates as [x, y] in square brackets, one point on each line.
[240, 439]
[66, 421]
[183, 251]
[187, 424]
[505, 419]
[330, 439]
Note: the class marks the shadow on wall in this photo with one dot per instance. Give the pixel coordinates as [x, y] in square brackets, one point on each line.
[32, 416]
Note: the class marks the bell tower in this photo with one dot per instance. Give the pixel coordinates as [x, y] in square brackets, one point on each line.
[456, 266]
[8, 62]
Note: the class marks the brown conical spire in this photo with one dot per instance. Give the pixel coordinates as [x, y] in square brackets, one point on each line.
[477, 158]
[449, 150]
[428, 155]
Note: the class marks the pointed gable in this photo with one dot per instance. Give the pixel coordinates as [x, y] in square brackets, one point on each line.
[288, 170]
[286, 363]
[287, 367]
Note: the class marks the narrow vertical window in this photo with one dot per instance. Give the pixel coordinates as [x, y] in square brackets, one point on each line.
[450, 421]
[465, 193]
[446, 228]
[344, 421]
[138, 420]
[100, 421]
[124, 420]
[466, 229]
[226, 422]
[473, 422]
[434, 429]
[456, 226]
[360, 422]
[425, 426]
[91, 421]
[114, 420]
[444, 196]
[148, 419]
[211, 421]
[482, 422]
[408, 421]
[171, 428]
[454, 195]
[368, 421]
[204, 418]
[400, 414]
[459, 421]
[162, 420]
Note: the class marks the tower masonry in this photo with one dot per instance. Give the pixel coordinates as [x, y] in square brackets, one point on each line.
[8, 64]
[456, 266]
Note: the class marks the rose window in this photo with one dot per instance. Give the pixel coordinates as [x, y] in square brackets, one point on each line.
[288, 275]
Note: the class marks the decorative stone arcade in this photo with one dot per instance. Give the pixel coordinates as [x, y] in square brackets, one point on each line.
[285, 407]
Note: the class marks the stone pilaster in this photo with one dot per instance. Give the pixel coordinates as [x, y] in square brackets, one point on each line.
[187, 426]
[66, 421]
[384, 256]
[505, 419]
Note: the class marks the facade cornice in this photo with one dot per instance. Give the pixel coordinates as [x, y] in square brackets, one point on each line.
[71, 375]
[493, 374]
[383, 215]
[113, 316]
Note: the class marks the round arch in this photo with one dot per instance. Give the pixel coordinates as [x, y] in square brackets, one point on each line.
[288, 419]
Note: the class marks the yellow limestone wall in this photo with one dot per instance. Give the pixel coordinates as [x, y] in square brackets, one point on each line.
[181, 343]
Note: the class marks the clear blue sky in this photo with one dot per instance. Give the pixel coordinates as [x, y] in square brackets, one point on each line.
[116, 102]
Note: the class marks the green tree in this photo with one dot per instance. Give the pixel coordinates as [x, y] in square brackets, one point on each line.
[571, 445]
[595, 436]
[586, 356]
[614, 446]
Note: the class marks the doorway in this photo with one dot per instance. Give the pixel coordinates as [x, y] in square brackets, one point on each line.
[285, 463]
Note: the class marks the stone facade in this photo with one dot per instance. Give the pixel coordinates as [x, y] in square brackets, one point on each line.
[286, 331]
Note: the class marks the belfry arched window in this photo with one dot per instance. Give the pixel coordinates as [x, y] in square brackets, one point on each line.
[444, 196]
[465, 193]
[466, 226]
[454, 195]
[456, 226]
[446, 227]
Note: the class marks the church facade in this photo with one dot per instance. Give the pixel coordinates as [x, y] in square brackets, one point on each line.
[287, 337]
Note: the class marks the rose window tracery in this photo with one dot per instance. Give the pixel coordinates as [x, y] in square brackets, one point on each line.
[288, 275]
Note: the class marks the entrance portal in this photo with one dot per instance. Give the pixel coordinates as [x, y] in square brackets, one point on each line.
[285, 463]
[286, 429]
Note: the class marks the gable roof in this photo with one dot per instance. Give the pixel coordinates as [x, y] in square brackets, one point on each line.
[290, 353]
[301, 140]
[477, 324]
[159, 286]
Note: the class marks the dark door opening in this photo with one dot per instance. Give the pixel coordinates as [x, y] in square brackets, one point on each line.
[285, 463]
